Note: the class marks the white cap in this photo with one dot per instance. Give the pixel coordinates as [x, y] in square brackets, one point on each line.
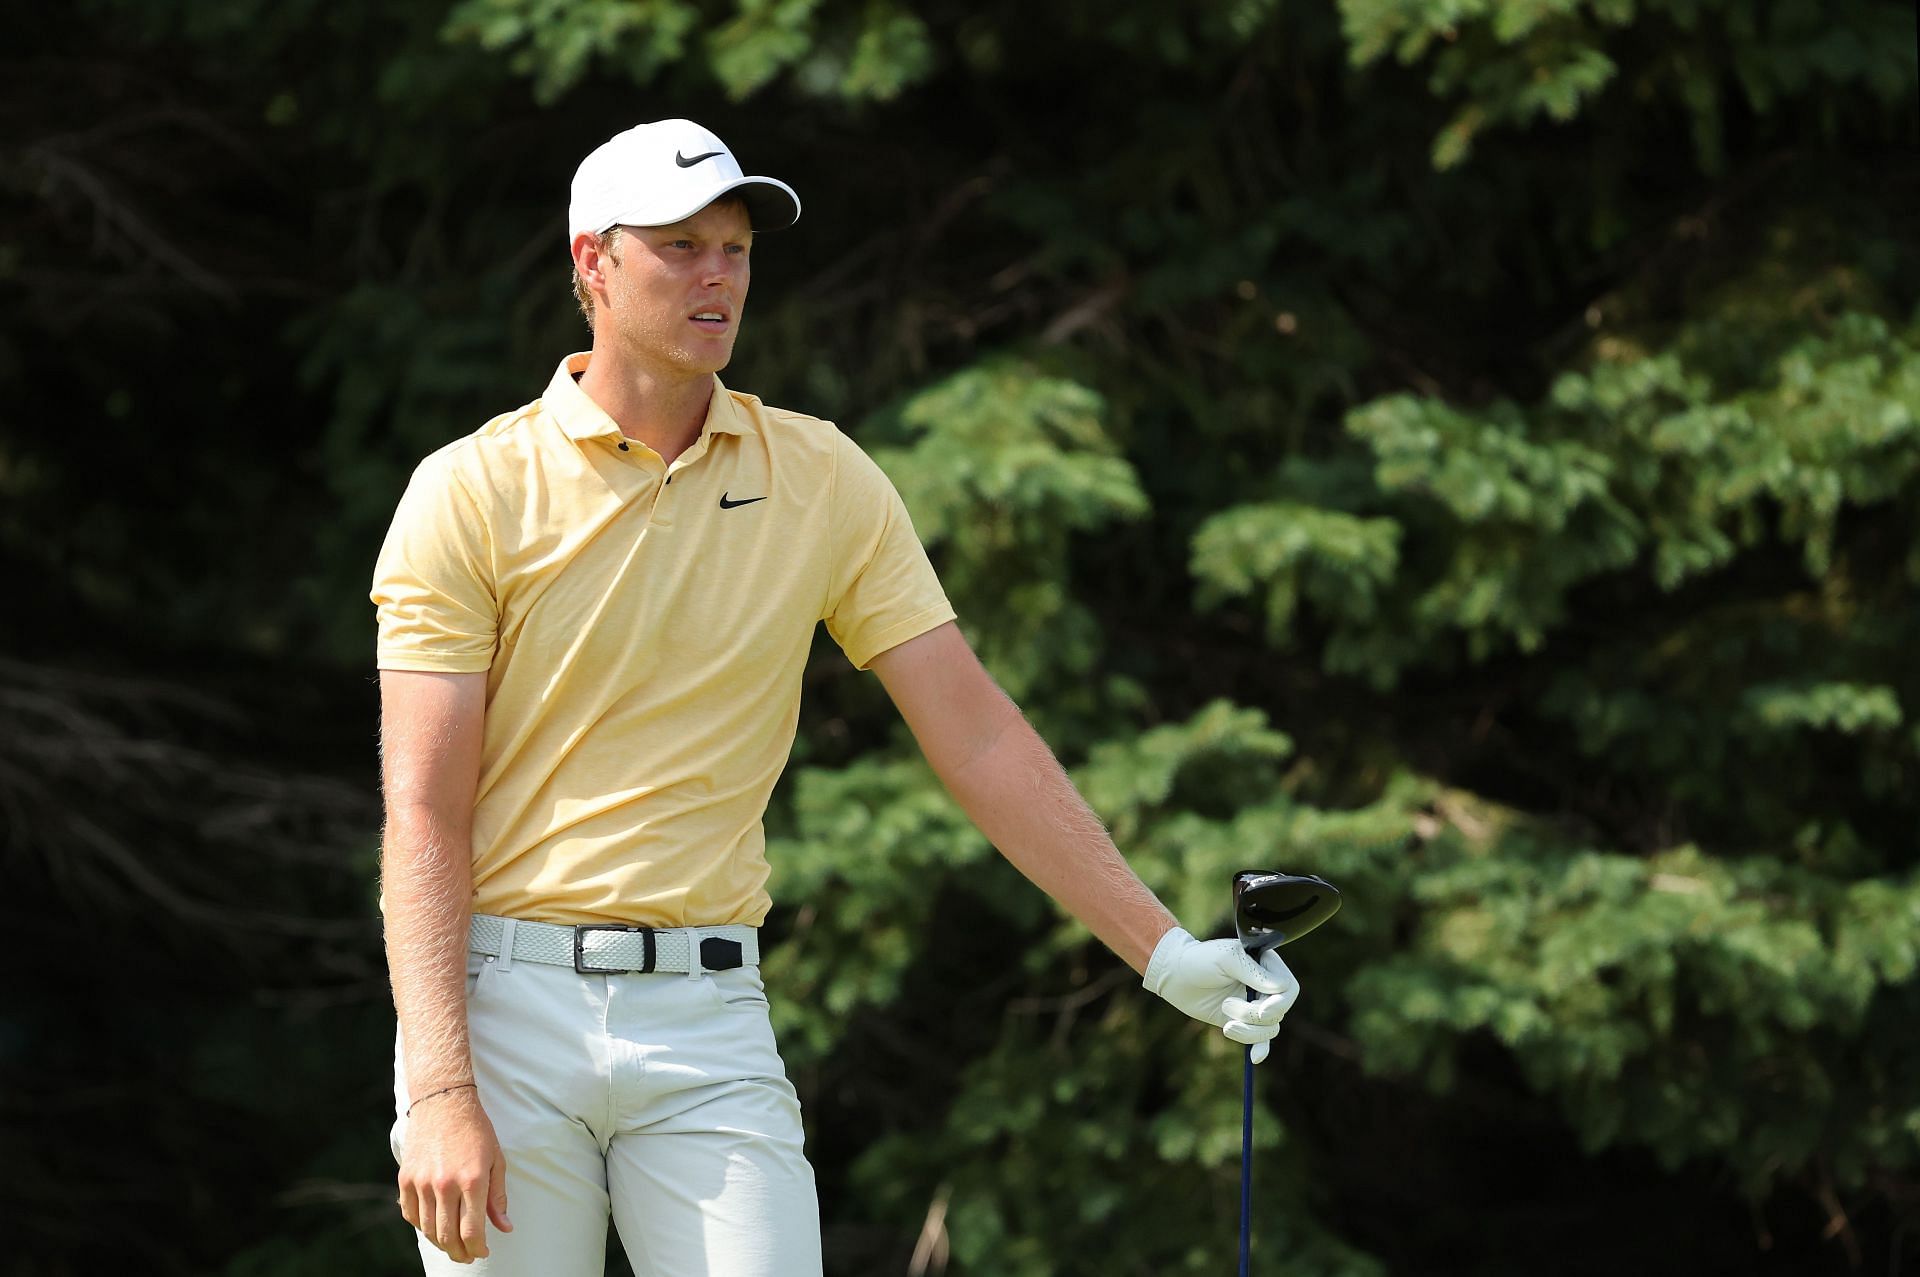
[655, 174]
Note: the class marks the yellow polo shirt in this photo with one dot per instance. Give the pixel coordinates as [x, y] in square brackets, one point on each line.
[643, 629]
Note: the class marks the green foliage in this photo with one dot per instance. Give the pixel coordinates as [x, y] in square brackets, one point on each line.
[1297, 553]
[1174, 1129]
[1636, 464]
[556, 41]
[1006, 466]
[1846, 707]
[869, 54]
[765, 38]
[875, 844]
[878, 847]
[1466, 448]
[1682, 1001]
[1513, 61]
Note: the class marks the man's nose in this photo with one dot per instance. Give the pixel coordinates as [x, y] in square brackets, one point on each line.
[719, 268]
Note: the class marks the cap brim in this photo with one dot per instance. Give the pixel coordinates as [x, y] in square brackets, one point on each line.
[771, 205]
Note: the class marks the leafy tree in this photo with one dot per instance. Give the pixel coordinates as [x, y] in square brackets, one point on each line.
[1464, 449]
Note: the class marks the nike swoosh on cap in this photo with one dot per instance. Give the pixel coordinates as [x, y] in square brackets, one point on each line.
[728, 505]
[684, 162]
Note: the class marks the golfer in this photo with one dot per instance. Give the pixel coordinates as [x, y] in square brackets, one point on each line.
[593, 613]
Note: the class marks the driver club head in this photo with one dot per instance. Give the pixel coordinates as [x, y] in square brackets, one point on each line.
[1271, 909]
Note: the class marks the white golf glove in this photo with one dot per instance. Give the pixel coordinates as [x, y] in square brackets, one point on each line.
[1209, 981]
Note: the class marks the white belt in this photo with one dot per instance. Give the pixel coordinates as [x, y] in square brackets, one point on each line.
[616, 949]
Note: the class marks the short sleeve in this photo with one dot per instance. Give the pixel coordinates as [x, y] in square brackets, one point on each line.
[433, 588]
[882, 590]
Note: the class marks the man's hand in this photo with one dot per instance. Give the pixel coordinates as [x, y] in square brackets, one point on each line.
[453, 1176]
[1208, 980]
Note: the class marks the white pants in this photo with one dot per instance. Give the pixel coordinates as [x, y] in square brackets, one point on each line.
[659, 1098]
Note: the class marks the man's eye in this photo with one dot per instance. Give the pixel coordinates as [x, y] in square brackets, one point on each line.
[681, 243]
[741, 249]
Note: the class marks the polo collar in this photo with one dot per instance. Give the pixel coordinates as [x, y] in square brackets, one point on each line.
[581, 418]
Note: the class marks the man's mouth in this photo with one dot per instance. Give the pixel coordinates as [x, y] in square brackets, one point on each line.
[713, 321]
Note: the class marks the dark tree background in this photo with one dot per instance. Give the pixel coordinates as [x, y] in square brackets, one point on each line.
[1465, 449]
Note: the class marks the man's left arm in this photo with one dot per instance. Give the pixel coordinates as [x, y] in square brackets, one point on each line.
[1016, 793]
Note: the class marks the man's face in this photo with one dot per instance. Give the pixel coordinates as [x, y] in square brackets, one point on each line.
[670, 282]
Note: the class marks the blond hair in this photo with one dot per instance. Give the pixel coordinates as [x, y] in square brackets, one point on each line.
[605, 241]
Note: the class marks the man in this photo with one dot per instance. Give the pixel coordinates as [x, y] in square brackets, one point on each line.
[593, 617]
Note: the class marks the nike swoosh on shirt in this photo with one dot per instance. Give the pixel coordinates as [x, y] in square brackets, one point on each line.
[684, 162]
[728, 505]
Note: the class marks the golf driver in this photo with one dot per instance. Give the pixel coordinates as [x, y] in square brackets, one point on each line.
[1270, 909]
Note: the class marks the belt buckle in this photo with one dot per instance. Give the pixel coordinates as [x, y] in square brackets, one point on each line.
[579, 957]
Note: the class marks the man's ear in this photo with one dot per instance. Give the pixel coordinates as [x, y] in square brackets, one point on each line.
[589, 262]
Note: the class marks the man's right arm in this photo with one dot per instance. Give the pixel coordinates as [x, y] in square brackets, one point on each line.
[452, 1174]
